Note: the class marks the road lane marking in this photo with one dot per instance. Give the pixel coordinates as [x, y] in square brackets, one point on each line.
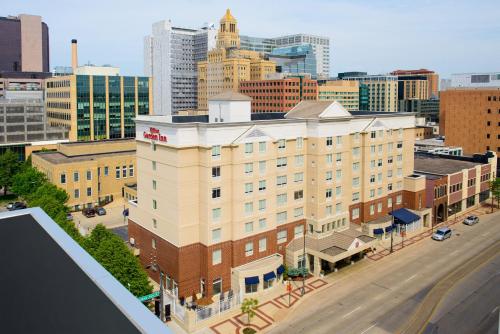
[410, 278]
[454, 252]
[366, 330]
[348, 314]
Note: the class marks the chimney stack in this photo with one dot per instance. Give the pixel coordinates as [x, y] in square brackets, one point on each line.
[74, 55]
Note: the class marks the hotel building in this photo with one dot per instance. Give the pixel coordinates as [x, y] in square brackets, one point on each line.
[382, 91]
[342, 91]
[95, 107]
[224, 199]
[227, 65]
[92, 173]
[279, 95]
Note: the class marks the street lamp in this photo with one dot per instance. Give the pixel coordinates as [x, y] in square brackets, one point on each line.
[392, 224]
[304, 261]
[156, 267]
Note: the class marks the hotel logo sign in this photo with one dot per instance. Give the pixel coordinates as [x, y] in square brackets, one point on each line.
[154, 134]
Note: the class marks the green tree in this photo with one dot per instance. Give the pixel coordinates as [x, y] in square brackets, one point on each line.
[112, 253]
[248, 307]
[495, 191]
[9, 165]
[27, 181]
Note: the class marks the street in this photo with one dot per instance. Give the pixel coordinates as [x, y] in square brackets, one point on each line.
[381, 296]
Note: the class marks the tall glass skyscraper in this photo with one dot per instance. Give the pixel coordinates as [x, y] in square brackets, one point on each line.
[295, 59]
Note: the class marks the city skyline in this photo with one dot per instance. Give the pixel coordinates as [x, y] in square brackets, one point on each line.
[378, 42]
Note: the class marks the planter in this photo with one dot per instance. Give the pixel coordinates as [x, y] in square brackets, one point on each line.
[248, 330]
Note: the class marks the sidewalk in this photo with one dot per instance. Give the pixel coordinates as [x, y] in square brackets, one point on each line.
[478, 211]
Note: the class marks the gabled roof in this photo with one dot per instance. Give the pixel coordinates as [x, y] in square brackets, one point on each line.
[318, 109]
[253, 133]
[230, 95]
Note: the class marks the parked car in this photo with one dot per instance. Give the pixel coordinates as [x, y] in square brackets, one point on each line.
[471, 220]
[101, 211]
[17, 206]
[89, 212]
[69, 216]
[9, 206]
[442, 234]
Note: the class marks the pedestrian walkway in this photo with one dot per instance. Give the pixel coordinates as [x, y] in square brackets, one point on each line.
[270, 311]
[414, 239]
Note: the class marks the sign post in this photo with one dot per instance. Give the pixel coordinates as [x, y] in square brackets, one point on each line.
[150, 296]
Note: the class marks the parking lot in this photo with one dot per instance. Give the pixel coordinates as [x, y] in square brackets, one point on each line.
[113, 218]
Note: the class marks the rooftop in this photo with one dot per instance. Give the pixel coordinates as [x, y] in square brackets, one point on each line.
[59, 158]
[440, 165]
[52, 285]
[230, 95]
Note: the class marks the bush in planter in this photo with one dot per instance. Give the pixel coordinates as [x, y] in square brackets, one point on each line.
[249, 330]
[296, 272]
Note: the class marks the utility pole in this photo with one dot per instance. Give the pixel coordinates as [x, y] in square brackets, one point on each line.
[162, 301]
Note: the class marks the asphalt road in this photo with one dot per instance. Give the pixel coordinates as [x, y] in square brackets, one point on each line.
[472, 306]
[380, 296]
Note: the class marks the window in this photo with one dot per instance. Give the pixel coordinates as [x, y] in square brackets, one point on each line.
[298, 177]
[372, 193]
[299, 194]
[379, 164]
[328, 176]
[338, 173]
[373, 134]
[299, 142]
[153, 243]
[329, 141]
[262, 244]
[251, 288]
[131, 170]
[153, 165]
[89, 175]
[298, 212]
[338, 159]
[106, 170]
[249, 227]
[248, 188]
[355, 182]
[355, 166]
[281, 180]
[339, 140]
[248, 208]
[355, 196]
[380, 148]
[328, 193]
[217, 286]
[249, 249]
[372, 149]
[379, 177]
[117, 172]
[389, 187]
[355, 213]
[63, 178]
[124, 171]
[282, 237]
[379, 207]
[216, 192]
[372, 178]
[281, 144]
[77, 193]
[154, 204]
[248, 148]
[216, 151]
[338, 208]
[155, 223]
[216, 235]
[399, 144]
[298, 231]
[262, 185]
[372, 209]
[89, 191]
[390, 146]
[400, 171]
[389, 160]
[262, 146]
[372, 164]
[216, 171]
[262, 223]
[338, 191]
[281, 199]
[329, 158]
[399, 157]
[299, 160]
[248, 168]
[216, 213]
[355, 151]
[216, 257]
[154, 184]
[328, 210]
[281, 217]
[399, 199]
[262, 204]
[281, 162]
[76, 177]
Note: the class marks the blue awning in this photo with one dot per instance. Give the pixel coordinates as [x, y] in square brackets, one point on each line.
[378, 231]
[280, 270]
[404, 216]
[388, 229]
[252, 280]
[269, 276]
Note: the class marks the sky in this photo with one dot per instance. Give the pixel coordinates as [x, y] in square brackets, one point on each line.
[375, 36]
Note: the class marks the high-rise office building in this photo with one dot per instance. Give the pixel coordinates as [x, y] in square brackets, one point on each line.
[491, 79]
[24, 44]
[382, 91]
[295, 59]
[171, 55]
[320, 46]
[227, 65]
[342, 91]
[223, 205]
[259, 44]
[417, 84]
[93, 107]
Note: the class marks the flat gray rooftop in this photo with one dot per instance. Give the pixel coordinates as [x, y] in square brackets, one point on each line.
[59, 158]
[440, 165]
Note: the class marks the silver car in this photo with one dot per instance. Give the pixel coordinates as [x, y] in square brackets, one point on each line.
[442, 234]
[471, 220]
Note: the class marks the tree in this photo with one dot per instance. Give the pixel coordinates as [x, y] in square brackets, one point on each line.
[27, 181]
[495, 191]
[9, 164]
[248, 307]
[112, 253]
